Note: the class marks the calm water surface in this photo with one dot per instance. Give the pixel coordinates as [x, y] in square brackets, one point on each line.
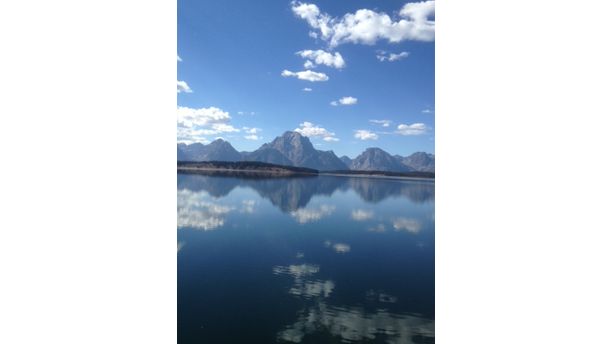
[305, 260]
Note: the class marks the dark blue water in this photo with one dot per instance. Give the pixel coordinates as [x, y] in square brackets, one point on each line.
[305, 260]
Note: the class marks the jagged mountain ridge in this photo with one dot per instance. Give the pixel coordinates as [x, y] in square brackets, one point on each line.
[376, 159]
[293, 149]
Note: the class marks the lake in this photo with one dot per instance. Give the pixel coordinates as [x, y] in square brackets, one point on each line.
[322, 259]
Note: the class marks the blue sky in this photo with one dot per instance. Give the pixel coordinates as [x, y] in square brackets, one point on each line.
[348, 74]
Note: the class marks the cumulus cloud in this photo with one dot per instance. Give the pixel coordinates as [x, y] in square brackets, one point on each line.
[344, 101]
[414, 22]
[411, 129]
[361, 215]
[252, 133]
[310, 130]
[307, 75]
[319, 57]
[384, 56]
[365, 135]
[307, 89]
[383, 122]
[181, 86]
[312, 215]
[193, 125]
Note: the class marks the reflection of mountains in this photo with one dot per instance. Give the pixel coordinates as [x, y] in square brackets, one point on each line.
[292, 193]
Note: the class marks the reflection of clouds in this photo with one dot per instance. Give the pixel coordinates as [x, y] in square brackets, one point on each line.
[380, 297]
[310, 289]
[196, 212]
[342, 248]
[248, 206]
[410, 225]
[297, 271]
[302, 285]
[361, 215]
[354, 324]
[299, 255]
[179, 246]
[380, 228]
[338, 247]
[311, 215]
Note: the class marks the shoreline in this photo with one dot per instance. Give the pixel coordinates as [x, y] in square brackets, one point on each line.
[380, 176]
[285, 173]
[247, 171]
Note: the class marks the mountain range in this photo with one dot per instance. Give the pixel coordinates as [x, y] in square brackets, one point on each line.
[293, 149]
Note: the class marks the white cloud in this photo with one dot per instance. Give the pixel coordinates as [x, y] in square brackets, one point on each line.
[409, 225]
[203, 116]
[179, 59]
[331, 139]
[334, 60]
[367, 27]
[344, 101]
[427, 111]
[181, 86]
[310, 130]
[252, 133]
[361, 215]
[307, 89]
[383, 122]
[365, 135]
[312, 215]
[412, 129]
[251, 130]
[307, 75]
[194, 124]
[384, 56]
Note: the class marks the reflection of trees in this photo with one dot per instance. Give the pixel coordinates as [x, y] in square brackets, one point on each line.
[292, 193]
[375, 190]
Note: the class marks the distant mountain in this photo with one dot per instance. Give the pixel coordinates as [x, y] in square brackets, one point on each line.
[420, 161]
[269, 155]
[346, 160]
[293, 149]
[376, 159]
[218, 150]
[300, 152]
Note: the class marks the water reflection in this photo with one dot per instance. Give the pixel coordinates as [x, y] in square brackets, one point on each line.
[303, 286]
[361, 215]
[293, 193]
[318, 271]
[311, 215]
[409, 225]
[196, 211]
[354, 324]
